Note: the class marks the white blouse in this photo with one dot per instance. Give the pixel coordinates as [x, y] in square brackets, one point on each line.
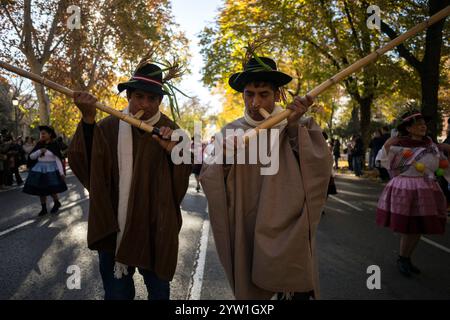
[47, 157]
[402, 165]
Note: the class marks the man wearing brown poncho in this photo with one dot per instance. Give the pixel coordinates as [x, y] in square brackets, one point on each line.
[264, 226]
[135, 189]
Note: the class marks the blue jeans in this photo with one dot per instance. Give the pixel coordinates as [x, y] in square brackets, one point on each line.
[123, 289]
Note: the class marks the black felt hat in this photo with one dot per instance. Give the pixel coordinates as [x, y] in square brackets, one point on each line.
[254, 70]
[49, 129]
[147, 78]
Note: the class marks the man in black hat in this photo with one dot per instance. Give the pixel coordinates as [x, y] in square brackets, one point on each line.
[135, 189]
[264, 225]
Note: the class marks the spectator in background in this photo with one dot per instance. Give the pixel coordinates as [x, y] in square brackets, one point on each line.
[197, 150]
[349, 152]
[336, 153]
[22, 156]
[15, 159]
[385, 135]
[28, 146]
[3, 159]
[358, 155]
[331, 184]
[374, 148]
[7, 175]
[393, 132]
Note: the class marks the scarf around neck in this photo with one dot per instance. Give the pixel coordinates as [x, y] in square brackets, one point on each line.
[125, 161]
[410, 143]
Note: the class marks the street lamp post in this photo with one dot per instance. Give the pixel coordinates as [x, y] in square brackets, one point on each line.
[15, 103]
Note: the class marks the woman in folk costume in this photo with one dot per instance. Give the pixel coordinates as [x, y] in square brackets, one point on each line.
[46, 175]
[264, 225]
[134, 187]
[412, 203]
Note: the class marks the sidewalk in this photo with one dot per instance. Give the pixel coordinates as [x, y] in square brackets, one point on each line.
[371, 174]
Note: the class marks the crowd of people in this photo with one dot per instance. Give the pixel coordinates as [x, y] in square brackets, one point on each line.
[13, 154]
[357, 156]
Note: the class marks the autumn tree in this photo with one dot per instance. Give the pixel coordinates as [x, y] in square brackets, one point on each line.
[193, 111]
[425, 53]
[312, 41]
[5, 105]
[112, 37]
[30, 33]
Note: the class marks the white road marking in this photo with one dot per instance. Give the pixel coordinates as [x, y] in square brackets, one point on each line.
[437, 245]
[327, 207]
[17, 227]
[195, 289]
[346, 203]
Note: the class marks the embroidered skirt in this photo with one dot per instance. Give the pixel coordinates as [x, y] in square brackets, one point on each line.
[44, 179]
[412, 205]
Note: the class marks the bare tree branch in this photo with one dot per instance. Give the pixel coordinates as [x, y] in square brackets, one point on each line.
[352, 26]
[35, 38]
[19, 34]
[63, 37]
[333, 60]
[47, 50]
[323, 6]
[97, 57]
[404, 53]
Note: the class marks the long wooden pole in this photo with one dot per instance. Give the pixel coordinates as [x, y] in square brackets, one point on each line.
[272, 121]
[57, 87]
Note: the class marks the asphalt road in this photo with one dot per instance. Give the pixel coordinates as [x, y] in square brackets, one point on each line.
[36, 253]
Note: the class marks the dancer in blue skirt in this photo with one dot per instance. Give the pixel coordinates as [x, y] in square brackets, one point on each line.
[46, 176]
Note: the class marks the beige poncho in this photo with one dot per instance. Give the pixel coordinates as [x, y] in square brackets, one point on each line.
[264, 226]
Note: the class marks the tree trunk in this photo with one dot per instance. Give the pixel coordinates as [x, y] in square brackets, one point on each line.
[365, 115]
[44, 104]
[429, 75]
[330, 121]
[43, 100]
[355, 120]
